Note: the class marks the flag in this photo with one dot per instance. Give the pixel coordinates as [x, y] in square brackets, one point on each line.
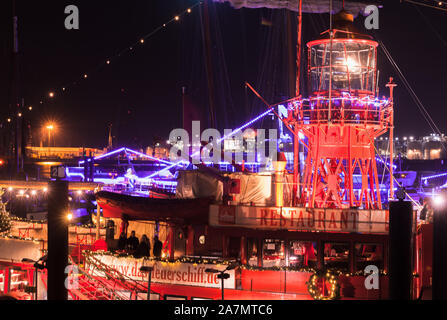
[265, 22]
[191, 112]
[308, 6]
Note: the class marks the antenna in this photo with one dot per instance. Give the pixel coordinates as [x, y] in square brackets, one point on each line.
[110, 144]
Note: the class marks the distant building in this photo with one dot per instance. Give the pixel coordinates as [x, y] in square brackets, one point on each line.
[158, 152]
[425, 148]
[61, 153]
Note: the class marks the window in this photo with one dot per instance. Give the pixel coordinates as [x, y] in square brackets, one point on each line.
[171, 297]
[234, 248]
[302, 254]
[143, 296]
[273, 253]
[368, 254]
[336, 256]
[252, 251]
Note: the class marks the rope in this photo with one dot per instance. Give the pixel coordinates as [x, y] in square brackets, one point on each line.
[431, 26]
[427, 5]
[397, 182]
[415, 98]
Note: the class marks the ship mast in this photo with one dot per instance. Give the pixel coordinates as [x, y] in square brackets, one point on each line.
[17, 103]
[296, 142]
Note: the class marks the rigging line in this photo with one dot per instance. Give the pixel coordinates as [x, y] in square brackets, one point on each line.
[263, 62]
[397, 182]
[431, 26]
[224, 74]
[425, 5]
[421, 107]
[243, 35]
[383, 174]
[131, 47]
[414, 96]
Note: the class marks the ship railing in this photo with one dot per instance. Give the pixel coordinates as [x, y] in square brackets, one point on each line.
[125, 282]
[93, 288]
[367, 112]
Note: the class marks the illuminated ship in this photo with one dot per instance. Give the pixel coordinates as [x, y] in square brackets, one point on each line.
[309, 233]
[284, 228]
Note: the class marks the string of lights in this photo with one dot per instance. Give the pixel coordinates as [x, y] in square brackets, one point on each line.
[192, 260]
[219, 261]
[438, 5]
[434, 176]
[53, 93]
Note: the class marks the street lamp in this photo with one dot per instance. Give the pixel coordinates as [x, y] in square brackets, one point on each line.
[37, 266]
[50, 128]
[222, 275]
[148, 270]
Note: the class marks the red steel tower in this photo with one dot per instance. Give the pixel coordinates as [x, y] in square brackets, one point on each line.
[341, 119]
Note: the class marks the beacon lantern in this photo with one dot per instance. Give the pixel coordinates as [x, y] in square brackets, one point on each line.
[341, 118]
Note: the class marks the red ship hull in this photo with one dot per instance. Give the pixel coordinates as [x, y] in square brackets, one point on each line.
[140, 208]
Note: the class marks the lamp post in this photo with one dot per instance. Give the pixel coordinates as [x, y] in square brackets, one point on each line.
[149, 270]
[37, 266]
[49, 127]
[222, 275]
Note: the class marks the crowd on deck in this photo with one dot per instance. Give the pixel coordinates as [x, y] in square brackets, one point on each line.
[426, 214]
[139, 248]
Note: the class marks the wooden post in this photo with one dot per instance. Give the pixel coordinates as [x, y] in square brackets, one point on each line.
[352, 257]
[172, 242]
[400, 275]
[98, 222]
[57, 239]
[320, 254]
[190, 241]
[243, 250]
[225, 243]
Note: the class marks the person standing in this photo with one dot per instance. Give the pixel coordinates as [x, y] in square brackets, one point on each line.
[157, 247]
[122, 241]
[144, 248]
[132, 243]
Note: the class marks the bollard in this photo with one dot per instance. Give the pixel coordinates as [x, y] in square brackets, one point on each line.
[400, 253]
[439, 280]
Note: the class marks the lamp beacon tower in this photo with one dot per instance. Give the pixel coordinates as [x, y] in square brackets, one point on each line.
[341, 119]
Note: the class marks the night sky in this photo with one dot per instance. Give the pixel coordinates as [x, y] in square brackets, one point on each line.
[140, 93]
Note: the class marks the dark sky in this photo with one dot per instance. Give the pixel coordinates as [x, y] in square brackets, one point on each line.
[140, 92]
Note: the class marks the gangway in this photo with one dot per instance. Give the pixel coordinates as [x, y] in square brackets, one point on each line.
[98, 281]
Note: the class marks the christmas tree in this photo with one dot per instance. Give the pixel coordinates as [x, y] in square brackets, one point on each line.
[5, 219]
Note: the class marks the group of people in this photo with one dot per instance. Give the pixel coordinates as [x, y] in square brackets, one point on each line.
[139, 248]
[426, 213]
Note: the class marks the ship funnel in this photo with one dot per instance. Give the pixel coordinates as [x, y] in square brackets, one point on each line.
[278, 180]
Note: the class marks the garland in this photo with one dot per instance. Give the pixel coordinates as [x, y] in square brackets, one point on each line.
[86, 226]
[288, 269]
[14, 218]
[162, 260]
[218, 261]
[7, 237]
[307, 269]
[18, 219]
[330, 277]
